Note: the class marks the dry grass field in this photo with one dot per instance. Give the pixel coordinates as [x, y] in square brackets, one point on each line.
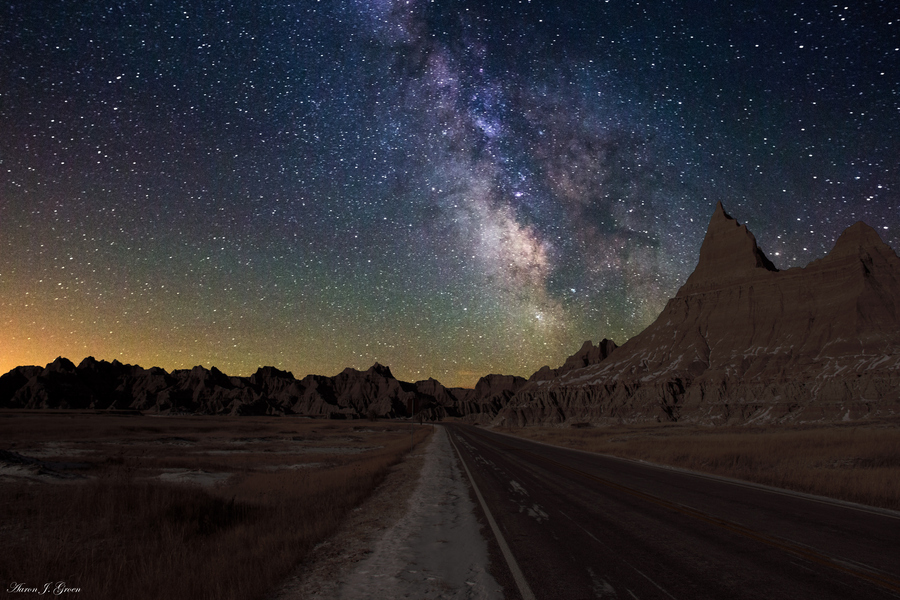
[859, 462]
[179, 507]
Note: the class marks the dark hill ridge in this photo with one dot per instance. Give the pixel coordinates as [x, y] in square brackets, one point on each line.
[103, 385]
[743, 341]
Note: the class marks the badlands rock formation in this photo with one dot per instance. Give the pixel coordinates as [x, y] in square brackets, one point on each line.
[102, 385]
[588, 355]
[742, 341]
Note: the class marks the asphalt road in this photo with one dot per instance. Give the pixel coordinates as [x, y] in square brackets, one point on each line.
[582, 525]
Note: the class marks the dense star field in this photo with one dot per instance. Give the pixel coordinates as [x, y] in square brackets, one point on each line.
[448, 187]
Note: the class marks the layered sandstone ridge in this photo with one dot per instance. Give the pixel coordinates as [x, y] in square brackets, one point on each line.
[743, 341]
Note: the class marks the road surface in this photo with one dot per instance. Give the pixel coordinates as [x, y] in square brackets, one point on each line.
[579, 525]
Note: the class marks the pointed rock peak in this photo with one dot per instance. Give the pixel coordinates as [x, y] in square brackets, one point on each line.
[729, 252]
[379, 369]
[582, 357]
[61, 365]
[211, 374]
[586, 347]
[92, 365]
[88, 363]
[858, 240]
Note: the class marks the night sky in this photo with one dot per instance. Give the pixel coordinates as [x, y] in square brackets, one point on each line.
[450, 188]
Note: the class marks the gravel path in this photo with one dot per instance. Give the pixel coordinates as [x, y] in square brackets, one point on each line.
[432, 549]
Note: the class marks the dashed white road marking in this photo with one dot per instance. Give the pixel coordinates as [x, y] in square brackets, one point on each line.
[638, 571]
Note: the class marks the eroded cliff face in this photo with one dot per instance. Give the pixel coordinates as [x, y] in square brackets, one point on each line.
[742, 341]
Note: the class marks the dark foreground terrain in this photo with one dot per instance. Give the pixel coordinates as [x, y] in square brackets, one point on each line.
[183, 508]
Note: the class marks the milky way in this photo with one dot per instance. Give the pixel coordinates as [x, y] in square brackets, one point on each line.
[450, 188]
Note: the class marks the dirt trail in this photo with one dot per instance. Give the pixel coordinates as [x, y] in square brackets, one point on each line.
[428, 547]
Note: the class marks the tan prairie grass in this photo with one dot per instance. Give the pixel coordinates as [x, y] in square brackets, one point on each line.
[855, 462]
[121, 533]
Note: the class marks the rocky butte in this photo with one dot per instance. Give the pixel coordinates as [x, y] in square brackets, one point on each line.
[743, 342]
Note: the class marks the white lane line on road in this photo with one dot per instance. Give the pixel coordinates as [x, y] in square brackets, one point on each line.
[653, 582]
[638, 571]
[524, 588]
[591, 535]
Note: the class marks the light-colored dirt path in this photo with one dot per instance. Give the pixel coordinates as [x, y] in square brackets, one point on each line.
[417, 537]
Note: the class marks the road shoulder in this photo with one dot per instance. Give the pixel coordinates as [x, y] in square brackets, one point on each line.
[416, 537]
[319, 576]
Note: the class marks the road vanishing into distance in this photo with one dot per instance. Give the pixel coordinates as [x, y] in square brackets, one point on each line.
[571, 525]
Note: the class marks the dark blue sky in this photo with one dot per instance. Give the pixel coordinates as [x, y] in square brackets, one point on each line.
[449, 188]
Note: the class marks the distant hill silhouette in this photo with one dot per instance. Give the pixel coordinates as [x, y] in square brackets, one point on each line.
[102, 385]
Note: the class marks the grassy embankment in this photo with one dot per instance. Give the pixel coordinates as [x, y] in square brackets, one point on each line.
[121, 532]
[853, 461]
